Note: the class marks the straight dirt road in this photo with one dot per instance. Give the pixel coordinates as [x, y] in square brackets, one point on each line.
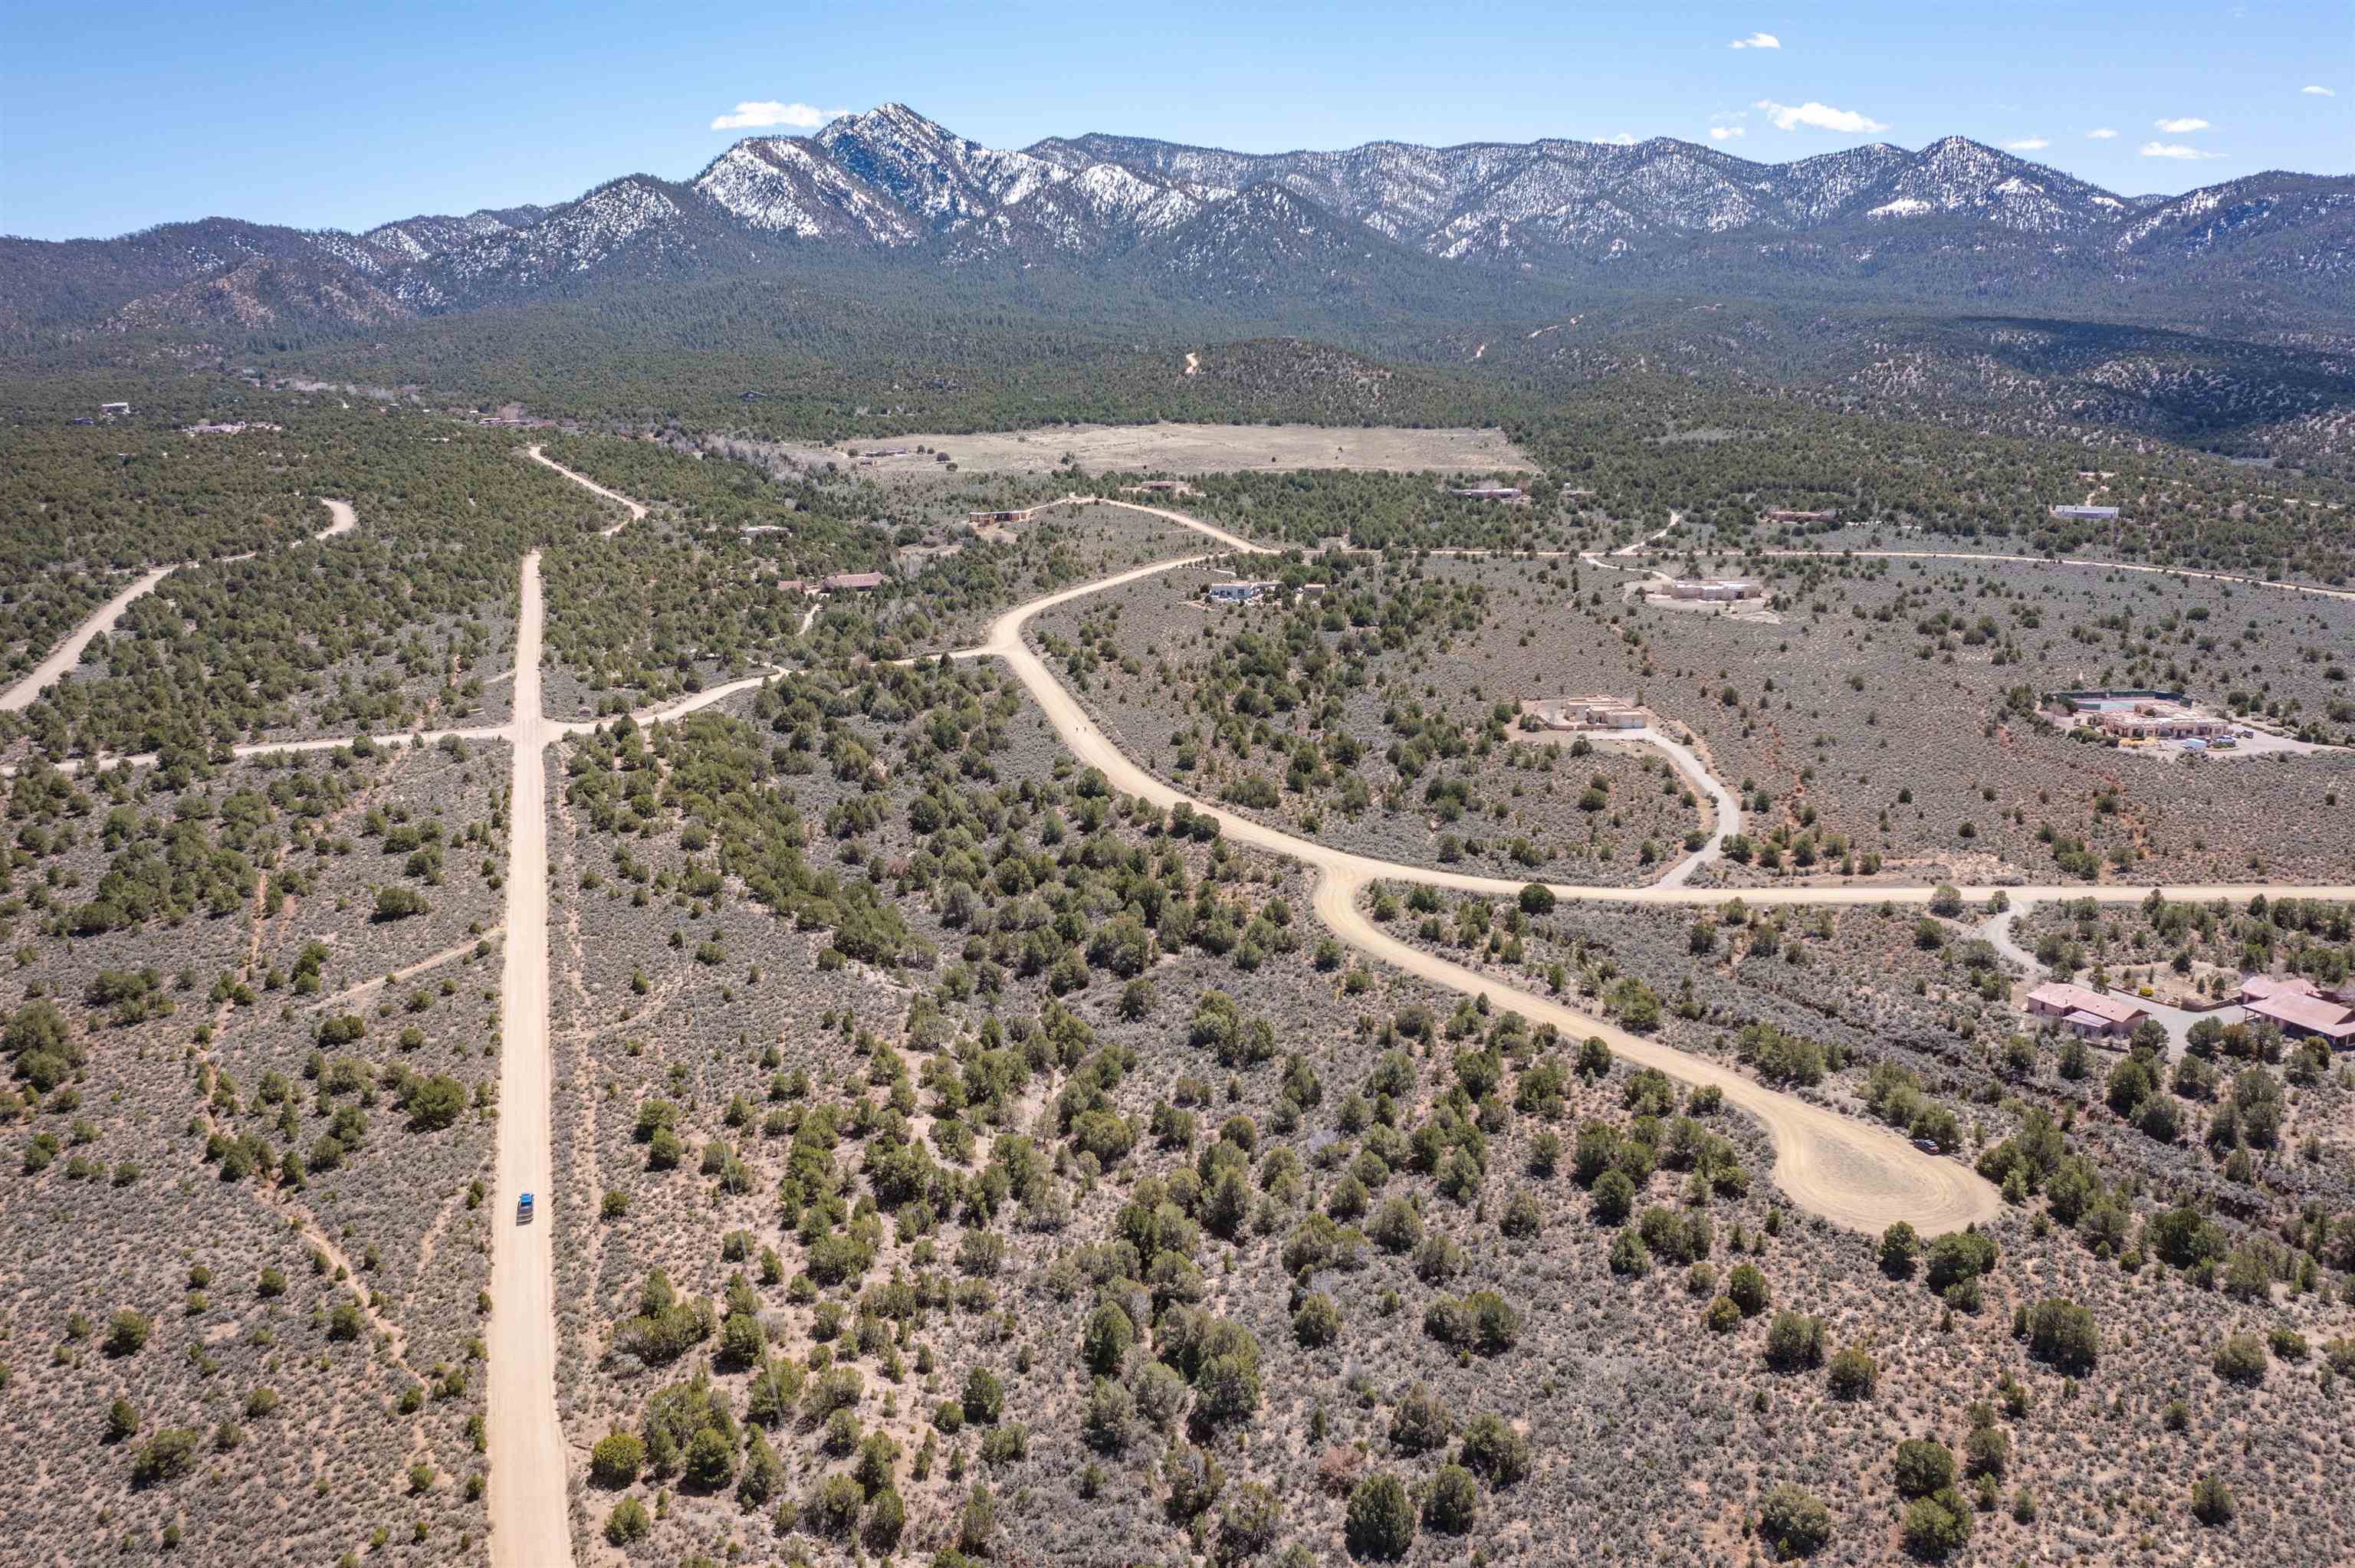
[68, 654]
[528, 1525]
[2315, 588]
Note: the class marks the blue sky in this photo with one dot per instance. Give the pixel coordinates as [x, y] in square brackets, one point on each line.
[116, 116]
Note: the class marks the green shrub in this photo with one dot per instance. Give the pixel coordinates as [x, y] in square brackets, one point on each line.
[1794, 1523]
[1854, 1374]
[166, 1457]
[2241, 1358]
[1938, 1525]
[627, 1522]
[1924, 1466]
[1379, 1520]
[127, 1332]
[985, 1397]
[1453, 1502]
[616, 1459]
[2064, 1334]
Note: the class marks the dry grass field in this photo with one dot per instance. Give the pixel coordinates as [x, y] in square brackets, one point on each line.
[1183, 449]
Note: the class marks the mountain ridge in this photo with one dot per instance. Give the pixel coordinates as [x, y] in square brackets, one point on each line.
[1956, 216]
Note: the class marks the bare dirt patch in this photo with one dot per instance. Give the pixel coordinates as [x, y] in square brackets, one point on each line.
[1198, 448]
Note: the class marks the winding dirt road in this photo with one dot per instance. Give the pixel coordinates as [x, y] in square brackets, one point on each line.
[68, 654]
[1854, 1174]
[636, 510]
[345, 519]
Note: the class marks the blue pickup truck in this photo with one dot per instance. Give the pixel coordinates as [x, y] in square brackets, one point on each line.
[523, 1210]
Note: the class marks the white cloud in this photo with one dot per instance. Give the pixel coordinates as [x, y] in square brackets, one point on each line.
[1625, 139]
[758, 116]
[2174, 150]
[2318, 91]
[2176, 127]
[1818, 116]
[1725, 133]
[1757, 41]
[2030, 143]
[2103, 134]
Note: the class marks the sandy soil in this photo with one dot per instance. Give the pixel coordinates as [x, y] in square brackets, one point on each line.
[526, 1444]
[1198, 448]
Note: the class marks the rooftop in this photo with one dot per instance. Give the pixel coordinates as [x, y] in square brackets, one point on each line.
[2075, 999]
[2308, 1012]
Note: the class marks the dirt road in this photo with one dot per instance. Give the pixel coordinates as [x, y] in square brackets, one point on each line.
[529, 1526]
[1727, 805]
[637, 512]
[2045, 561]
[1854, 1174]
[67, 654]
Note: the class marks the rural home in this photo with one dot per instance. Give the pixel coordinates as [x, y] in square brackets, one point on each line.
[2087, 513]
[2159, 721]
[852, 582]
[2305, 1017]
[1715, 588]
[1785, 514]
[1241, 591]
[1599, 711]
[2088, 1015]
[1490, 492]
[2140, 715]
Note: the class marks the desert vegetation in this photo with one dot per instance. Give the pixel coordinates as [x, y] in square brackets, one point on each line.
[249, 1097]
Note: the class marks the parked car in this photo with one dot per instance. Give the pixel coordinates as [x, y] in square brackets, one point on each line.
[1927, 1145]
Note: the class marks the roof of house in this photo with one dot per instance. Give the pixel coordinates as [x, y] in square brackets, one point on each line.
[2257, 986]
[855, 580]
[2077, 998]
[2310, 1013]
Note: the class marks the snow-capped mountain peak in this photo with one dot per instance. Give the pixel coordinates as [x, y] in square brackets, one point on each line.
[891, 179]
